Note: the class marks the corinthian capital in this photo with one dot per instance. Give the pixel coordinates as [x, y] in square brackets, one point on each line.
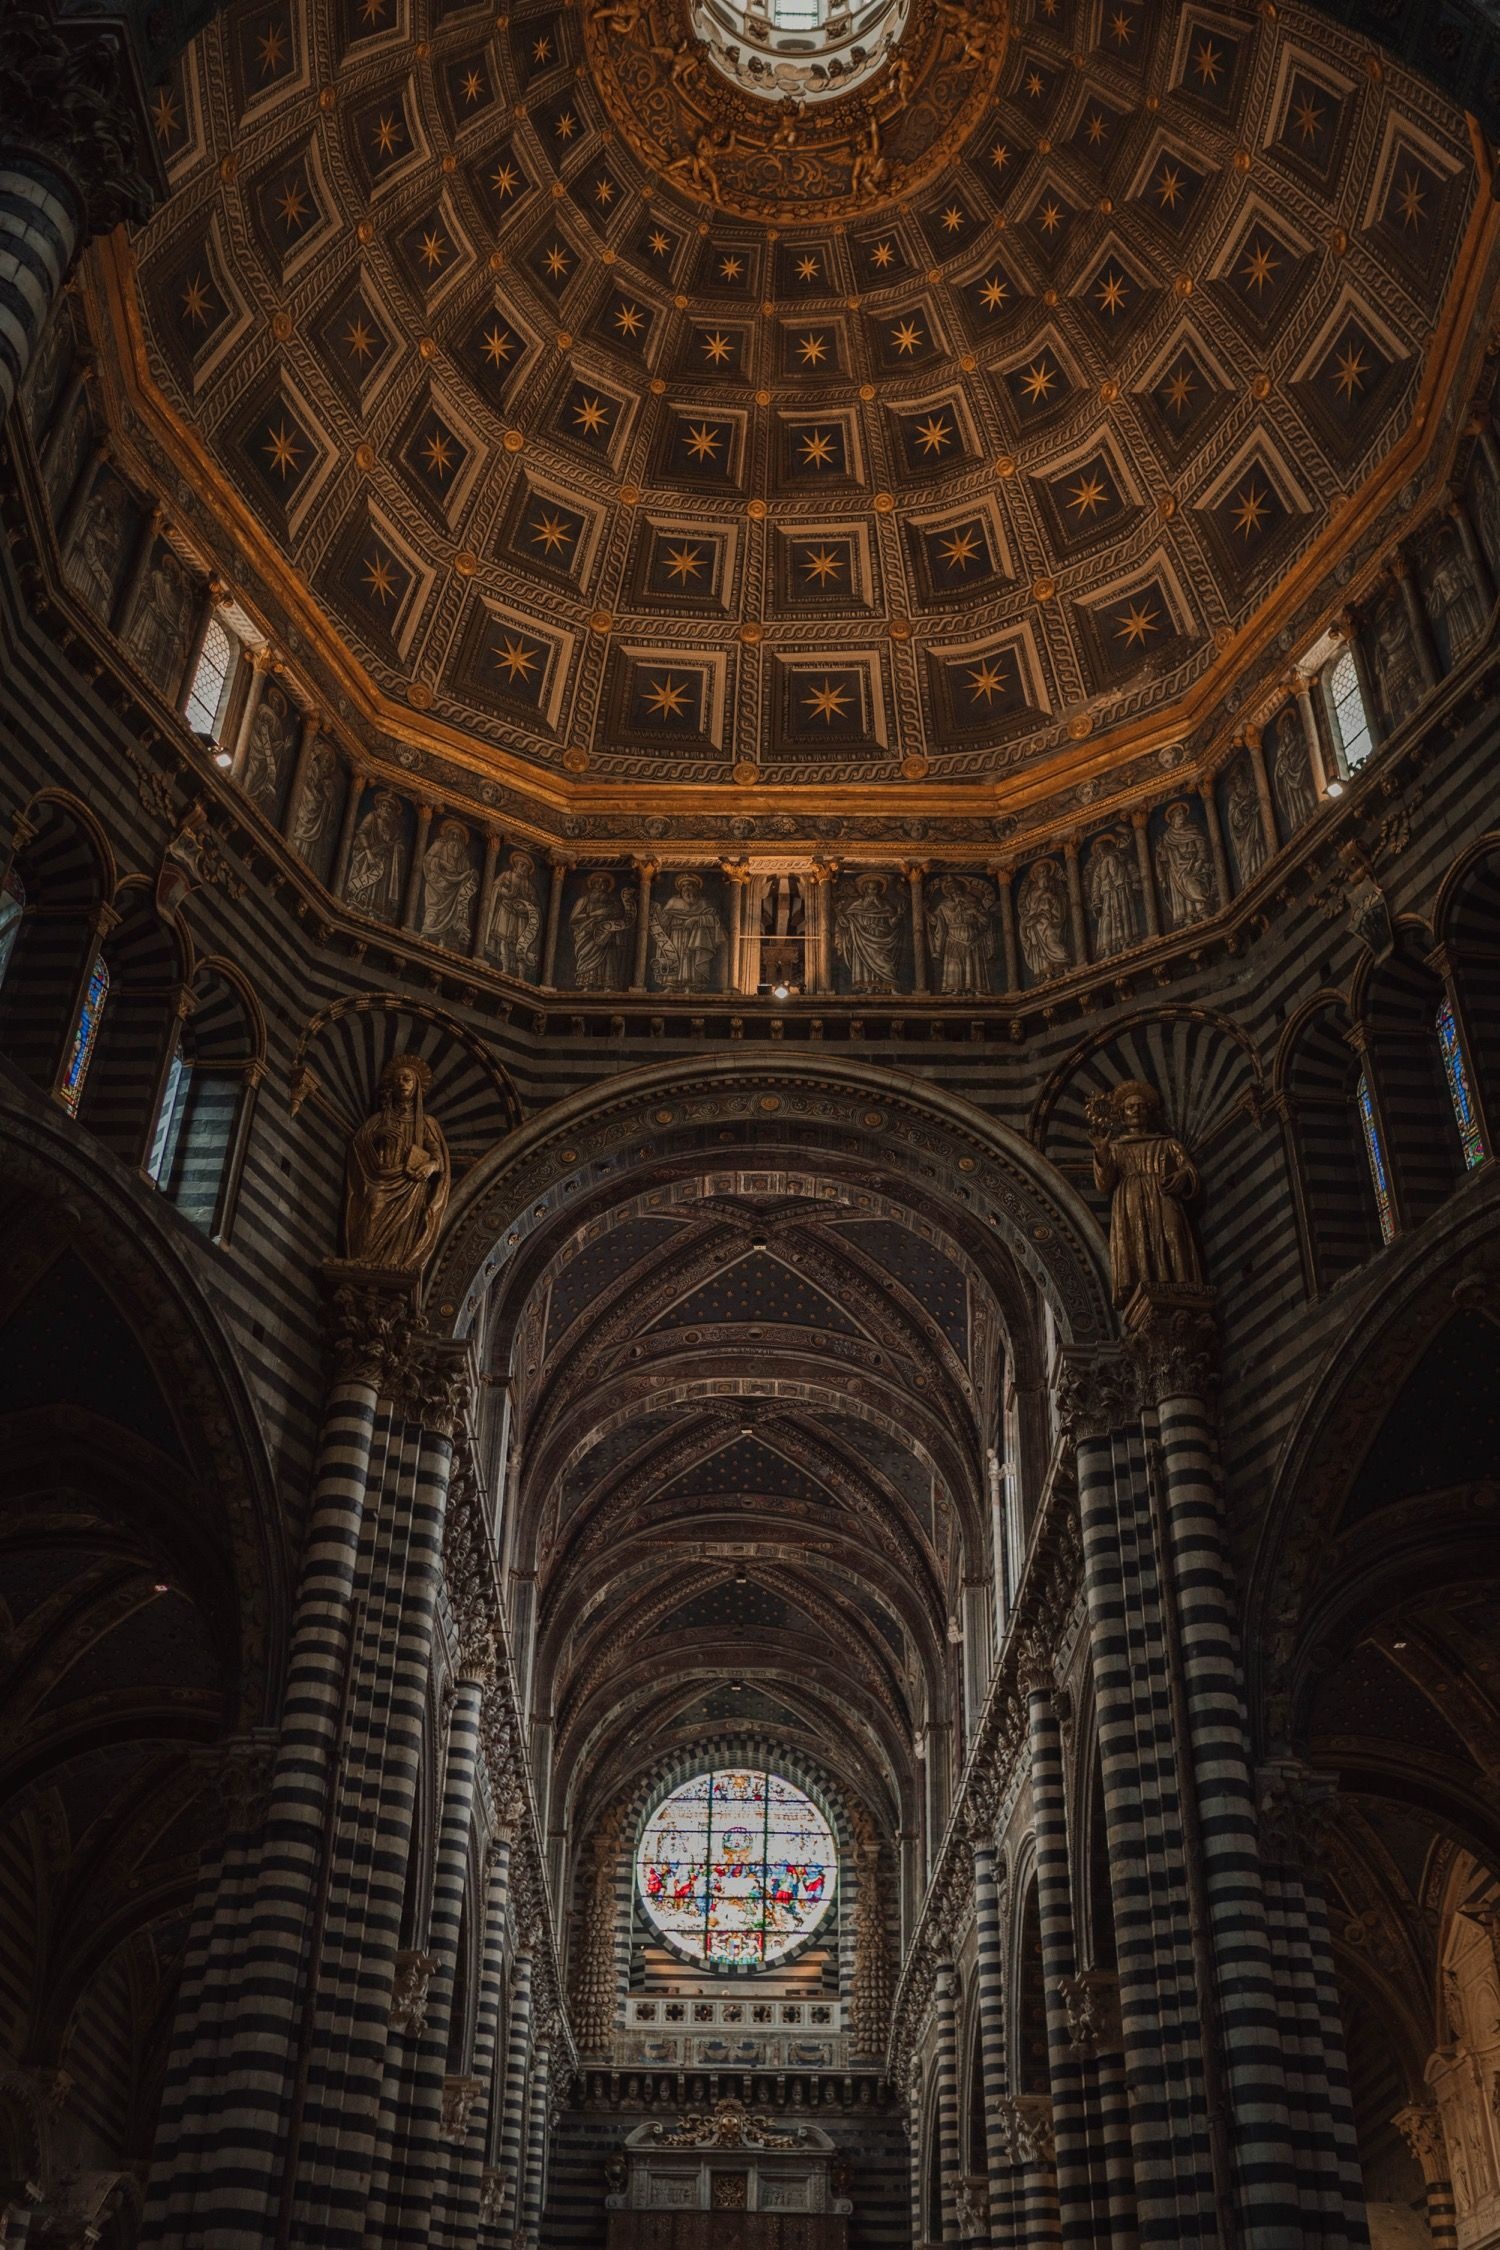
[1096, 1391]
[66, 98]
[1173, 1335]
[371, 1327]
[1420, 2125]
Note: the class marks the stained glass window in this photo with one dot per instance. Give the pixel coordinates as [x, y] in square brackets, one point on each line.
[735, 1868]
[1379, 1180]
[12, 907]
[1456, 1066]
[85, 1038]
[1350, 718]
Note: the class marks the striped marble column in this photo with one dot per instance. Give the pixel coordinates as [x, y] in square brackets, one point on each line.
[1172, 2160]
[990, 1973]
[917, 2155]
[40, 227]
[421, 2160]
[534, 2166]
[1092, 2001]
[510, 2154]
[1055, 1920]
[946, 2067]
[466, 2192]
[1173, 1334]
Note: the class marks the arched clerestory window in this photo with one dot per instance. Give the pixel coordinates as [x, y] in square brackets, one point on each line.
[202, 1115]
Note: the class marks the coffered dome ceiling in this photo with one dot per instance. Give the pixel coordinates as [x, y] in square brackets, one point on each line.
[592, 421]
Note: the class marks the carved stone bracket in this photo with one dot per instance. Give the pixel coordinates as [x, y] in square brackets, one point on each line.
[491, 2195]
[409, 1988]
[1026, 2123]
[460, 2095]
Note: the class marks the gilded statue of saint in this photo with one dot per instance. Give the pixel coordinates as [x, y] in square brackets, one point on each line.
[1148, 1176]
[398, 1175]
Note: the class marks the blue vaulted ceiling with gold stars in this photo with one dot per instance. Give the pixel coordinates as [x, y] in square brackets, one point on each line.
[602, 425]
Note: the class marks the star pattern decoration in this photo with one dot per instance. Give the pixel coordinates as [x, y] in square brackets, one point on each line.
[880, 257]
[379, 577]
[500, 178]
[587, 417]
[960, 553]
[1211, 67]
[1252, 509]
[991, 297]
[1113, 293]
[827, 701]
[1136, 623]
[657, 244]
[1086, 499]
[516, 660]
[1133, 629]
[1172, 192]
[699, 448]
[200, 304]
[1262, 277]
[537, 48]
[166, 116]
[273, 48]
[685, 564]
[824, 565]
[1181, 397]
[665, 698]
[1048, 225]
[283, 449]
[293, 205]
[980, 692]
[718, 349]
[1037, 386]
[815, 450]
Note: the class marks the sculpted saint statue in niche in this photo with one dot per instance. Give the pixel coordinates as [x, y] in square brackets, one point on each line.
[1402, 686]
[267, 741]
[1246, 833]
[162, 622]
[961, 933]
[1292, 773]
[1148, 1176]
[1110, 885]
[449, 881]
[313, 818]
[375, 863]
[1184, 868]
[94, 561]
[866, 933]
[515, 930]
[600, 925]
[398, 1175]
[1042, 919]
[1457, 611]
[687, 938]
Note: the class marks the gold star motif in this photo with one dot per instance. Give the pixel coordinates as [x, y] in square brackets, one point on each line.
[164, 114]
[551, 534]
[811, 349]
[1308, 118]
[817, 449]
[437, 452]
[516, 660]
[994, 292]
[1260, 266]
[604, 191]
[498, 346]
[291, 205]
[434, 249]
[826, 702]
[960, 549]
[934, 434]
[907, 336]
[703, 440]
[567, 125]
[1351, 371]
[196, 299]
[1111, 297]
[1180, 388]
[821, 564]
[387, 135]
[807, 269]
[1000, 155]
[1136, 623]
[667, 698]
[1250, 511]
[1168, 187]
[272, 45]
[882, 254]
[1412, 200]
[658, 243]
[1120, 28]
[591, 415]
[1096, 129]
[1051, 216]
[380, 577]
[628, 319]
[730, 269]
[1088, 494]
[717, 348]
[953, 219]
[683, 563]
[371, 10]
[1208, 62]
[1036, 85]
[541, 49]
[360, 339]
[504, 180]
[986, 682]
[1037, 382]
[557, 261]
[473, 86]
[283, 449]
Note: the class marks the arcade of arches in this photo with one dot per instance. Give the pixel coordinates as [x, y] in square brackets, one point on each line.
[749, 1079]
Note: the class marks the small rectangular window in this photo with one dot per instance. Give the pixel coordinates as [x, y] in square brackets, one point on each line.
[1351, 721]
[1456, 1070]
[1375, 1153]
[208, 697]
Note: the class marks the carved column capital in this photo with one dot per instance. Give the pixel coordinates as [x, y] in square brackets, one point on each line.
[372, 1321]
[460, 2095]
[1097, 1390]
[1172, 1334]
[66, 94]
[433, 1385]
[1091, 2003]
[1025, 2122]
[409, 1987]
[1295, 1804]
[1420, 2125]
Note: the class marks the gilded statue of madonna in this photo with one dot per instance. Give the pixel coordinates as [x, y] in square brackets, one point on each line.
[398, 1175]
[1148, 1176]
